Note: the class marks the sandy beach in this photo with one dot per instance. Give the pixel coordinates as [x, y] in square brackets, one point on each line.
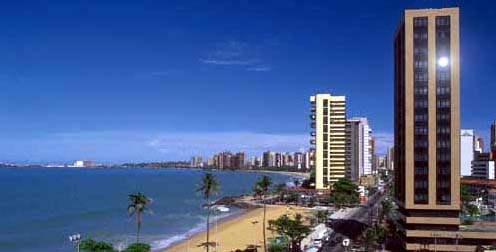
[237, 232]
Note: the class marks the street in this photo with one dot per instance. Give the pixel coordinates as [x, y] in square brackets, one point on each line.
[351, 227]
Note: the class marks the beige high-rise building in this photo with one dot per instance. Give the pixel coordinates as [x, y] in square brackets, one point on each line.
[329, 123]
[427, 127]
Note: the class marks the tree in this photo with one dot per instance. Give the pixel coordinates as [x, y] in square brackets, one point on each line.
[291, 228]
[262, 188]
[137, 205]
[91, 245]
[278, 244]
[465, 196]
[374, 236]
[307, 182]
[344, 191]
[138, 247]
[208, 186]
[320, 216]
[472, 210]
[293, 198]
[387, 208]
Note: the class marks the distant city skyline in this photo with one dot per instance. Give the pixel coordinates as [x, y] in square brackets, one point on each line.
[166, 81]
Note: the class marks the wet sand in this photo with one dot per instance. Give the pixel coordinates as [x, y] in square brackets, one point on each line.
[237, 232]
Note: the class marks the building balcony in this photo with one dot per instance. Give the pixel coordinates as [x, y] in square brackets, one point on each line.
[313, 125]
[313, 133]
[313, 116]
[313, 142]
[313, 109]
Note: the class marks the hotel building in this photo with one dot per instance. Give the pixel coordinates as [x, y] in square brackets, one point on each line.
[328, 121]
[493, 140]
[427, 128]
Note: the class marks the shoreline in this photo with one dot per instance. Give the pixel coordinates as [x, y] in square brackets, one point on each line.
[200, 228]
[305, 175]
[236, 231]
[203, 230]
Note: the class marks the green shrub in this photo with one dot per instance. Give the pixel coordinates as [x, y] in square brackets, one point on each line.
[138, 247]
[90, 245]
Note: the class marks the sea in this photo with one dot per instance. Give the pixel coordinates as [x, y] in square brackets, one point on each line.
[41, 207]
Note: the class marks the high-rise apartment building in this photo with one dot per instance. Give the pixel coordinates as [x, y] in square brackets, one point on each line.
[353, 149]
[390, 159]
[467, 146]
[493, 140]
[373, 167]
[239, 160]
[298, 160]
[269, 159]
[309, 159]
[328, 121]
[427, 128]
[359, 152]
[196, 161]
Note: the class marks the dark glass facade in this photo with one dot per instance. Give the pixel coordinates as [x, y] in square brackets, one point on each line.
[399, 114]
[443, 111]
[421, 111]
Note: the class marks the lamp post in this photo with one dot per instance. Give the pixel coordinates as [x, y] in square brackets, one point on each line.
[75, 239]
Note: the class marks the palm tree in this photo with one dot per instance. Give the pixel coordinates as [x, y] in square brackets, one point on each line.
[207, 187]
[261, 189]
[138, 203]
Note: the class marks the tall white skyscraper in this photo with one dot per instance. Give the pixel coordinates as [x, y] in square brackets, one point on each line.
[467, 146]
[366, 162]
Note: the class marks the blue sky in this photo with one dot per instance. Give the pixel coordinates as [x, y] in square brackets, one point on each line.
[161, 80]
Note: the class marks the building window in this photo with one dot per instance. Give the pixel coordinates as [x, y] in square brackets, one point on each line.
[420, 22]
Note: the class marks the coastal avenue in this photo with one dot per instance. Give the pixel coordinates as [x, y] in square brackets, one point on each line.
[352, 226]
